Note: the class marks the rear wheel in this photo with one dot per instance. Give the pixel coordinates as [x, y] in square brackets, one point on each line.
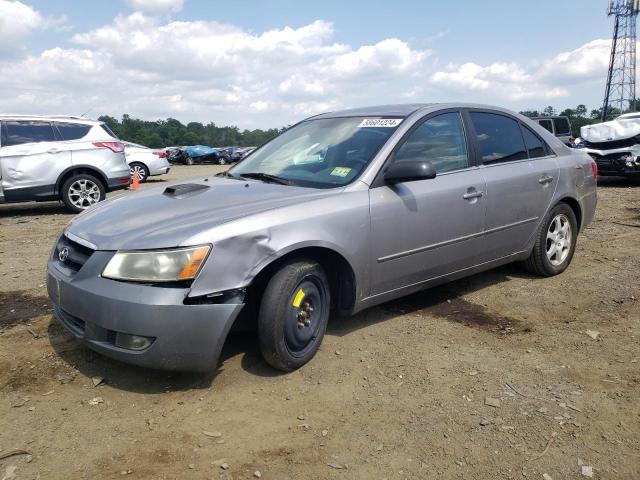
[293, 316]
[81, 192]
[555, 242]
[141, 170]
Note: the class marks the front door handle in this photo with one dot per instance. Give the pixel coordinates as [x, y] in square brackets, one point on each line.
[545, 179]
[472, 193]
[53, 150]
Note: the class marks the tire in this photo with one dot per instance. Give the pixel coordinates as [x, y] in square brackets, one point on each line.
[222, 161]
[291, 324]
[552, 253]
[141, 170]
[81, 191]
[189, 161]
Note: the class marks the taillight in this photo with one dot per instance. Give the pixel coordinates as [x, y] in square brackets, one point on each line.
[594, 168]
[115, 147]
[161, 154]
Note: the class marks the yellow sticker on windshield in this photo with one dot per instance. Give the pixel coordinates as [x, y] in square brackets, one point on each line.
[298, 298]
[340, 171]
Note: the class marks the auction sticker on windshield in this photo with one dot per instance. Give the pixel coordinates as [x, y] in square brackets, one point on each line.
[380, 122]
[340, 171]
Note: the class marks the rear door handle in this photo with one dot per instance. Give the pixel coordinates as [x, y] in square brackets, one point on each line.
[53, 150]
[471, 194]
[545, 179]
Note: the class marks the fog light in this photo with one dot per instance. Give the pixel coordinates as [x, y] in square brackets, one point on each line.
[132, 342]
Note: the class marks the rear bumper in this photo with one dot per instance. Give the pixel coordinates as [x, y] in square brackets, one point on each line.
[159, 171]
[95, 310]
[118, 183]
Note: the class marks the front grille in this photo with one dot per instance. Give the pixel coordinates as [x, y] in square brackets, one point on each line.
[72, 323]
[76, 254]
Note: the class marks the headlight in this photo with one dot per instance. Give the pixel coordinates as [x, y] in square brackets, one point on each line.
[159, 266]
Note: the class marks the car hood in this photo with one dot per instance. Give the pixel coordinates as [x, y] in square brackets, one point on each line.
[156, 218]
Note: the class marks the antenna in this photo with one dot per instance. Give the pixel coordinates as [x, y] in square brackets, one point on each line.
[91, 108]
[620, 91]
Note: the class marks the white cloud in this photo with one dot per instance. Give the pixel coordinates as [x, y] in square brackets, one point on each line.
[508, 80]
[17, 22]
[156, 6]
[551, 80]
[209, 70]
[201, 70]
[586, 62]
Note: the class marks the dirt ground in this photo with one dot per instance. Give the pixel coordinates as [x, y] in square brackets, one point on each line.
[490, 377]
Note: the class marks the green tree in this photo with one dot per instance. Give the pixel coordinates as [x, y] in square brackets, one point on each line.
[548, 111]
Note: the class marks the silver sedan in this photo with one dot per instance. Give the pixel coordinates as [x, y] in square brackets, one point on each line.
[341, 212]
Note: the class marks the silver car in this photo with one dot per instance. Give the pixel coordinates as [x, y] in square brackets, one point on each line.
[340, 212]
[59, 158]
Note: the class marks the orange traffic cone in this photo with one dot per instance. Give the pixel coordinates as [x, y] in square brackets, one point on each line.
[135, 181]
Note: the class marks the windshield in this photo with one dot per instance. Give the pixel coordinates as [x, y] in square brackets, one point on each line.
[321, 153]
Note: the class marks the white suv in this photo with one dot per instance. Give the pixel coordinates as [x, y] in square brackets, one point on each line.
[59, 158]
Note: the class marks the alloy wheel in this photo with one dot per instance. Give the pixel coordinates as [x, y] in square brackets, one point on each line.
[83, 193]
[559, 239]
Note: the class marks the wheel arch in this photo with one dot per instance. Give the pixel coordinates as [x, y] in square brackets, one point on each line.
[340, 273]
[77, 170]
[575, 206]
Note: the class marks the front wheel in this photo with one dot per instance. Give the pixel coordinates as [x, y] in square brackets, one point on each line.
[555, 242]
[293, 316]
[82, 191]
[189, 161]
[222, 161]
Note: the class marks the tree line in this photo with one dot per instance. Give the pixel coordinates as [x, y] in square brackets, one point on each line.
[171, 132]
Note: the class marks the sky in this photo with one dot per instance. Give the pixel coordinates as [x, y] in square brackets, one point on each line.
[269, 63]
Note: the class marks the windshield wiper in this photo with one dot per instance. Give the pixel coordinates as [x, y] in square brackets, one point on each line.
[266, 177]
[228, 175]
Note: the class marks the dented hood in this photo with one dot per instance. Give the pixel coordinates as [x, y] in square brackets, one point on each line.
[619, 129]
[167, 216]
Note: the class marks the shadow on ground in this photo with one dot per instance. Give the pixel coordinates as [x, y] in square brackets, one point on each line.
[33, 209]
[443, 302]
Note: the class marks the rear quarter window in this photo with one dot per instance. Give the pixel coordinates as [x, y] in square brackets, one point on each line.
[73, 131]
[535, 146]
[106, 128]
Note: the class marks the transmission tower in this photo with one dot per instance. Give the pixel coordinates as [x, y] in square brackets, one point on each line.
[620, 92]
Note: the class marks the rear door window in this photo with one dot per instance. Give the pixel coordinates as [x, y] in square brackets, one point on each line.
[21, 132]
[562, 126]
[499, 138]
[72, 131]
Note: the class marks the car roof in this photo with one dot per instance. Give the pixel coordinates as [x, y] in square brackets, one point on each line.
[51, 118]
[405, 110]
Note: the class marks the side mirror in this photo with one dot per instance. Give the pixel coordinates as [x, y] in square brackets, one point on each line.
[409, 172]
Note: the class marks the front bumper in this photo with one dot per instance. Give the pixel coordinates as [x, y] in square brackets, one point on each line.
[95, 309]
[616, 162]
